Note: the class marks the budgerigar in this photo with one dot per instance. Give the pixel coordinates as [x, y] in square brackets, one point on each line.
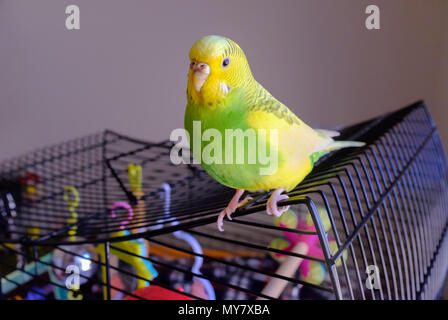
[222, 94]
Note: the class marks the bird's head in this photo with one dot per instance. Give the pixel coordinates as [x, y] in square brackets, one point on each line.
[217, 65]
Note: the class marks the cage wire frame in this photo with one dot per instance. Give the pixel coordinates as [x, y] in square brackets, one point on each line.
[384, 206]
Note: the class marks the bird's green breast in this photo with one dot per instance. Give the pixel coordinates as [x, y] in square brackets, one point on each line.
[224, 120]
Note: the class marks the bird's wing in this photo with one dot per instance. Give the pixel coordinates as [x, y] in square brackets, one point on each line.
[296, 137]
[266, 112]
[260, 100]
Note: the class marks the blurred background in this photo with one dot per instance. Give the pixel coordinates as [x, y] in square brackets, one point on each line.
[126, 68]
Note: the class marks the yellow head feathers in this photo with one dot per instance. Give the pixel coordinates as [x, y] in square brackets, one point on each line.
[217, 65]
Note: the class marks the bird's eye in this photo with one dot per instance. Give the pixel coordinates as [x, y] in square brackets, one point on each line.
[192, 63]
[225, 62]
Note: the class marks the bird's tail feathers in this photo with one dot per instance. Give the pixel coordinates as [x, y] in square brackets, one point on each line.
[328, 133]
[336, 145]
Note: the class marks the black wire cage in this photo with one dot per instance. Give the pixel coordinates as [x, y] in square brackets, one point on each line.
[111, 217]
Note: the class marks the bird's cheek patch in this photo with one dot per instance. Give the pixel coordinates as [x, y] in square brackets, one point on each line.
[224, 88]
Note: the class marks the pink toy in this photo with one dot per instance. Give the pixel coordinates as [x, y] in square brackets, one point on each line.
[127, 206]
[312, 241]
[298, 243]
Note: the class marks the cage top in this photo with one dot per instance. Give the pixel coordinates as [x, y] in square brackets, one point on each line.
[111, 187]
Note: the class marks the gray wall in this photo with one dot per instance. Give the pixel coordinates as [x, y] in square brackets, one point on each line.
[126, 68]
[440, 113]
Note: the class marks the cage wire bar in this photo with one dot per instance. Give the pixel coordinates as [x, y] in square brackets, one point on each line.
[379, 214]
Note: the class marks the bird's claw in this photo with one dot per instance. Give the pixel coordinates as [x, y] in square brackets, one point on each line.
[271, 206]
[220, 218]
[229, 213]
[231, 208]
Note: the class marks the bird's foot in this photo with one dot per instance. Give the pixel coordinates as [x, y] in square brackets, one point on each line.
[234, 204]
[271, 206]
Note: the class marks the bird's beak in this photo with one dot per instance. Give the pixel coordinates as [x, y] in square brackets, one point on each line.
[200, 74]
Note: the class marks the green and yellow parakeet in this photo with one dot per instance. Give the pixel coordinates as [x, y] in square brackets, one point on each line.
[223, 95]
